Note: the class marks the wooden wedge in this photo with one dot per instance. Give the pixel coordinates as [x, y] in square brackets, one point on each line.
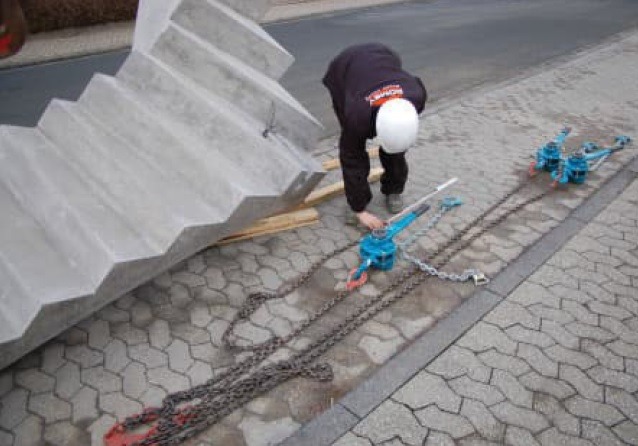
[274, 224]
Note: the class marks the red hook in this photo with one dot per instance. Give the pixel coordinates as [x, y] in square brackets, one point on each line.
[353, 284]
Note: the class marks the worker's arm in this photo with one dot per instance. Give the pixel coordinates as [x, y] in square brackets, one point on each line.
[355, 164]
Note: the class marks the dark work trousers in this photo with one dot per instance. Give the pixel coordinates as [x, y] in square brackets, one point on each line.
[395, 172]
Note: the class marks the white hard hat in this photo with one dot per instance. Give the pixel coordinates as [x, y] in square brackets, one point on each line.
[397, 125]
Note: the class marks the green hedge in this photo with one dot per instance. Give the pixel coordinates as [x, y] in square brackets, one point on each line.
[48, 15]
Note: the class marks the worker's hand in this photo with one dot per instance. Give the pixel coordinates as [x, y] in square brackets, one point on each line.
[370, 220]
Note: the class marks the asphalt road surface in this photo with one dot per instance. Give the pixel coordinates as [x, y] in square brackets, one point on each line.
[453, 45]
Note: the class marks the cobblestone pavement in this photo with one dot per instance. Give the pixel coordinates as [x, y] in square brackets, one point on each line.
[555, 363]
[165, 336]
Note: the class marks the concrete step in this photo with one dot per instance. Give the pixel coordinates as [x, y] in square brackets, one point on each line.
[81, 146]
[210, 119]
[168, 147]
[234, 34]
[224, 76]
[33, 272]
[255, 9]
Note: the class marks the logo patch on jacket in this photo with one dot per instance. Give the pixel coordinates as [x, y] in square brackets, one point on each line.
[379, 97]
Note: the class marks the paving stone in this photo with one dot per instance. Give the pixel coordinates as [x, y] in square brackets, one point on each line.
[129, 334]
[13, 408]
[484, 336]
[628, 431]
[68, 381]
[134, 380]
[49, 407]
[567, 356]
[537, 360]
[65, 433]
[623, 349]
[199, 373]
[507, 314]
[623, 401]
[100, 427]
[581, 407]
[411, 328]
[529, 293]
[602, 354]
[516, 436]
[551, 314]
[34, 381]
[379, 351]
[84, 356]
[550, 386]
[159, 334]
[469, 388]
[553, 437]
[439, 439]
[557, 415]
[29, 432]
[179, 358]
[52, 358]
[6, 382]
[510, 414]
[167, 379]
[438, 393]
[508, 363]
[381, 331]
[351, 439]
[511, 388]
[391, 420]
[483, 421]
[613, 378]
[454, 425]
[116, 356]
[99, 334]
[118, 405]
[141, 314]
[257, 432]
[102, 380]
[84, 405]
[599, 434]
[153, 396]
[6, 438]
[588, 331]
[533, 337]
[581, 382]
[456, 361]
[148, 356]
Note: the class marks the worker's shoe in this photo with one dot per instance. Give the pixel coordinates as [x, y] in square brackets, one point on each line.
[394, 203]
[351, 218]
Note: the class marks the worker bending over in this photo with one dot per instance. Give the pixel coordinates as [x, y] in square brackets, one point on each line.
[373, 96]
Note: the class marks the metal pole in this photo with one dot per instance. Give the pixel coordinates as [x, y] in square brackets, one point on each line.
[409, 209]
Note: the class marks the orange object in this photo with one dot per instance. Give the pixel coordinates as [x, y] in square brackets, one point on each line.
[13, 28]
[353, 284]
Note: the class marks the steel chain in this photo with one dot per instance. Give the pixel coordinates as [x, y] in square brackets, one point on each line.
[240, 383]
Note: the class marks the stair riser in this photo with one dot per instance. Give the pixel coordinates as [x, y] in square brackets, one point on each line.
[121, 189]
[259, 96]
[235, 35]
[209, 119]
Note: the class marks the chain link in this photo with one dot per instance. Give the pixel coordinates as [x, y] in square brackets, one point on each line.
[244, 381]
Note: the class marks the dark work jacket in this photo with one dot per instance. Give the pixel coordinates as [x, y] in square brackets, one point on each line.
[352, 77]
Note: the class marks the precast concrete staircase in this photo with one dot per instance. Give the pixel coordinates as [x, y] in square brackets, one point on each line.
[192, 140]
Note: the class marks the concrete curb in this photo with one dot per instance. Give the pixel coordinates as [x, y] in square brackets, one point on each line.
[77, 42]
[356, 405]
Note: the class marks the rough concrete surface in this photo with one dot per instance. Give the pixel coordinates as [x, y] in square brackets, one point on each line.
[165, 336]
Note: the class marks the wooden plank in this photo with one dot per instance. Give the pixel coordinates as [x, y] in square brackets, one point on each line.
[271, 225]
[332, 190]
[334, 163]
